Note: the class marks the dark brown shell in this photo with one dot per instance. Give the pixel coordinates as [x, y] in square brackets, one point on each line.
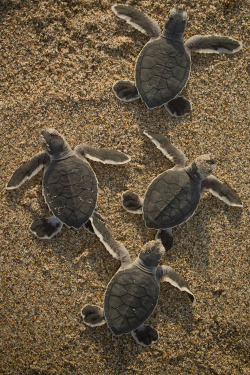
[130, 299]
[70, 190]
[162, 70]
[171, 199]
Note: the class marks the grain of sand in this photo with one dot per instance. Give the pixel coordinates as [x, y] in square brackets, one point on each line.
[59, 60]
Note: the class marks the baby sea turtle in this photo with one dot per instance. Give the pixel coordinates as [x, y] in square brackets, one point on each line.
[163, 66]
[174, 195]
[70, 187]
[132, 294]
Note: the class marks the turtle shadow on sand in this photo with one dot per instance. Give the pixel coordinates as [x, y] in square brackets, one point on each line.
[168, 310]
[9, 5]
[114, 350]
[19, 197]
[175, 308]
[206, 65]
[154, 120]
[109, 178]
[196, 232]
[192, 242]
[19, 194]
[215, 206]
[198, 260]
[231, 7]
[193, 238]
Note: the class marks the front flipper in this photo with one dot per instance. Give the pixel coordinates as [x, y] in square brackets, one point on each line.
[93, 315]
[213, 44]
[125, 91]
[88, 226]
[103, 155]
[145, 335]
[166, 147]
[140, 20]
[132, 202]
[117, 250]
[27, 170]
[46, 227]
[178, 106]
[165, 235]
[166, 273]
[221, 191]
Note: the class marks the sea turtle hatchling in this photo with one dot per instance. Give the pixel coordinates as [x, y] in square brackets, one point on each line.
[132, 294]
[163, 66]
[173, 196]
[70, 187]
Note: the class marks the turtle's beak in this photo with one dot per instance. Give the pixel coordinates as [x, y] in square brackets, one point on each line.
[44, 139]
[46, 135]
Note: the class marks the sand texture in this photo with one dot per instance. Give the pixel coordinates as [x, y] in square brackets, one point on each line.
[59, 60]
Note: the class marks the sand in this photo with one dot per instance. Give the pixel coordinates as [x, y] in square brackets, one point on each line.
[59, 60]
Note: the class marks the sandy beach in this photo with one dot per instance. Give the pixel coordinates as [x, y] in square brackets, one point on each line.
[59, 60]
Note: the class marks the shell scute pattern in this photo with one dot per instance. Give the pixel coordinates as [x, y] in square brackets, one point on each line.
[171, 196]
[70, 190]
[162, 71]
[130, 299]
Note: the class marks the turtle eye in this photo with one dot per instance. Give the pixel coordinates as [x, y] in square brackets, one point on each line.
[211, 162]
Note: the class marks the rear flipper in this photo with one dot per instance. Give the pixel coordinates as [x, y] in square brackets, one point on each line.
[46, 228]
[165, 235]
[125, 91]
[132, 202]
[213, 44]
[93, 315]
[145, 335]
[103, 155]
[221, 191]
[178, 106]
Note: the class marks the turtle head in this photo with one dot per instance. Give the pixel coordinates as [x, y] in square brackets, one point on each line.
[175, 25]
[53, 143]
[152, 253]
[203, 166]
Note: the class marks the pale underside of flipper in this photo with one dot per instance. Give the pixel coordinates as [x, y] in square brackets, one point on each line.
[145, 335]
[178, 106]
[138, 19]
[27, 170]
[168, 274]
[93, 315]
[132, 202]
[213, 44]
[117, 250]
[46, 228]
[222, 191]
[166, 147]
[126, 91]
[103, 155]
